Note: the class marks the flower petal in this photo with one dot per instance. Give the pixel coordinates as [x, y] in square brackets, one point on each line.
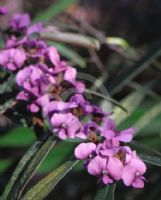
[115, 168]
[96, 166]
[83, 150]
[126, 135]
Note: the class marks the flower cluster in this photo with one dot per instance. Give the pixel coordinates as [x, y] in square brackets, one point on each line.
[44, 80]
[109, 159]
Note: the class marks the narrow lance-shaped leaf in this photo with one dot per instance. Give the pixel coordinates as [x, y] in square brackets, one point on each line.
[106, 193]
[147, 117]
[21, 165]
[53, 10]
[30, 168]
[7, 85]
[131, 102]
[7, 105]
[106, 98]
[72, 38]
[133, 71]
[154, 160]
[144, 149]
[44, 187]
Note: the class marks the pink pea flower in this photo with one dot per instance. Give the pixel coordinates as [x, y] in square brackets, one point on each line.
[35, 28]
[98, 167]
[108, 130]
[12, 59]
[65, 125]
[84, 150]
[20, 22]
[82, 103]
[133, 171]
[57, 106]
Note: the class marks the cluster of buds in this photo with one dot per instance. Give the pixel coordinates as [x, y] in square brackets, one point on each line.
[44, 79]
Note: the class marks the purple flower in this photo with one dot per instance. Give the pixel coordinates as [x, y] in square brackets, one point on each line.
[108, 147]
[12, 59]
[84, 150]
[35, 49]
[20, 21]
[3, 10]
[70, 75]
[57, 106]
[98, 167]
[98, 114]
[133, 171]
[14, 43]
[35, 28]
[65, 125]
[82, 103]
[34, 79]
[108, 130]
[53, 56]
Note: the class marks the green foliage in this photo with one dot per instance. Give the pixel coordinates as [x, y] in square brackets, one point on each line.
[7, 85]
[20, 167]
[53, 10]
[154, 160]
[106, 193]
[18, 136]
[43, 188]
[27, 167]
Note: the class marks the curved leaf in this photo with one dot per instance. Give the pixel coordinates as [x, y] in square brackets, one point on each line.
[44, 187]
[21, 165]
[107, 98]
[30, 167]
[71, 38]
[131, 102]
[148, 116]
[53, 10]
[154, 160]
[106, 193]
[128, 74]
[143, 148]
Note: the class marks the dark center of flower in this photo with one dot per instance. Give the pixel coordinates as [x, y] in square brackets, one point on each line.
[92, 136]
[120, 155]
[104, 172]
[78, 112]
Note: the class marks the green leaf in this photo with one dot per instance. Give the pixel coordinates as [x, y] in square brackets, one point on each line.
[147, 117]
[45, 186]
[118, 41]
[72, 38]
[144, 149]
[106, 193]
[2, 41]
[131, 102]
[21, 165]
[53, 10]
[131, 72]
[30, 168]
[8, 104]
[59, 154]
[88, 91]
[7, 85]
[154, 160]
[18, 136]
[5, 164]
